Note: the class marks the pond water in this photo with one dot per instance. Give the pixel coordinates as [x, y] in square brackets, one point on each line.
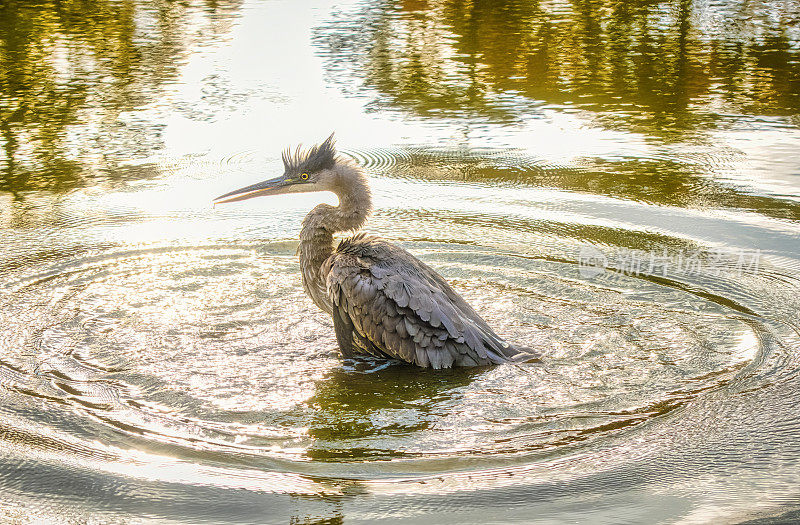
[616, 184]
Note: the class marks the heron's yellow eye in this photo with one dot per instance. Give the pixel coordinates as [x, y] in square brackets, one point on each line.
[304, 176]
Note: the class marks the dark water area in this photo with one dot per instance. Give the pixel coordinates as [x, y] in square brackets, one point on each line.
[616, 184]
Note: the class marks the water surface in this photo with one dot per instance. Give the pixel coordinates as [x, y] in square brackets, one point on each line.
[614, 184]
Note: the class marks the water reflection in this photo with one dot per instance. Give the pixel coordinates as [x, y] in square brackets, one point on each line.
[688, 178]
[392, 402]
[72, 75]
[661, 68]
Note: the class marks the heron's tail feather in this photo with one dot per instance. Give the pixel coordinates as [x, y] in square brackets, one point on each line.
[502, 352]
[523, 354]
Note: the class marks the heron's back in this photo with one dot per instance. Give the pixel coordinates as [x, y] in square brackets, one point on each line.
[387, 302]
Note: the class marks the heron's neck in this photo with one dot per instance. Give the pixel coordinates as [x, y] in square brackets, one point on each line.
[355, 205]
[316, 235]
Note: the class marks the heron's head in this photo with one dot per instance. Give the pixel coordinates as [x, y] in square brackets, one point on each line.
[315, 169]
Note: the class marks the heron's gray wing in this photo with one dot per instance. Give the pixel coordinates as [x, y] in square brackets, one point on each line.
[344, 332]
[351, 342]
[406, 310]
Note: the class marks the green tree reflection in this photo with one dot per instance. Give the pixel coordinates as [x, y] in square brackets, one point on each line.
[68, 69]
[654, 67]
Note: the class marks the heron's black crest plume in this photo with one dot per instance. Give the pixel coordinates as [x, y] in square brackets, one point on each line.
[318, 158]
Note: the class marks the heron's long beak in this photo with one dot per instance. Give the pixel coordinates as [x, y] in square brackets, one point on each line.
[267, 187]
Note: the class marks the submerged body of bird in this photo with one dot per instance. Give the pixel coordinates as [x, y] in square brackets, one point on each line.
[384, 301]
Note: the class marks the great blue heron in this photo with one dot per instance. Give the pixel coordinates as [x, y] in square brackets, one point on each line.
[384, 301]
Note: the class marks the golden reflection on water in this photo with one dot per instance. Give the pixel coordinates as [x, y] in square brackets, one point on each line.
[70, 72]
[654, 67]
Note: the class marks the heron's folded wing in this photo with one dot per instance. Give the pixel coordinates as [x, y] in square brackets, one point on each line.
[407, 315]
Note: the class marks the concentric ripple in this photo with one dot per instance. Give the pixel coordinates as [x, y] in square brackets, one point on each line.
[195, 366]
[217, 347]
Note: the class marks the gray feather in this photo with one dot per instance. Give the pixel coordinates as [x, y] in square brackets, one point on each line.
[400, 307]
